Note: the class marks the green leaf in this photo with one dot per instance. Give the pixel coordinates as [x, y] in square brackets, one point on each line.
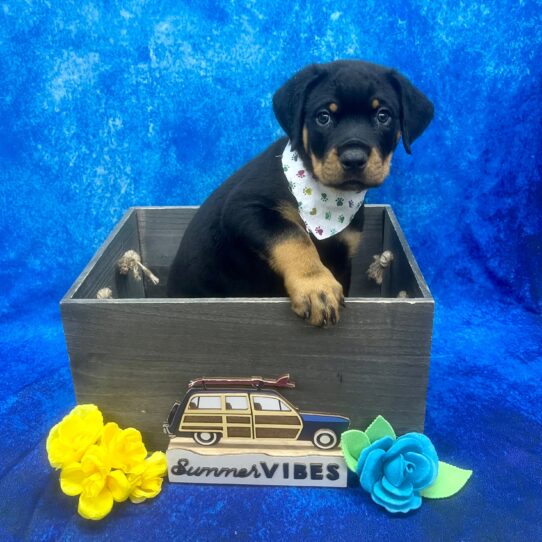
[380, 428]
[449, 481]
[353, 442]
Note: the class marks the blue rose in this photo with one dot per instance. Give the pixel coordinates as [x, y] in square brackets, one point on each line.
[394, 471]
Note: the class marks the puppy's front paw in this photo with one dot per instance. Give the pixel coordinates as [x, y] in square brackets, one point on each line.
[317, 297]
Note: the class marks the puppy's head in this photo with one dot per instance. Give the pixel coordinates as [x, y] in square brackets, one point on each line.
[346, 118]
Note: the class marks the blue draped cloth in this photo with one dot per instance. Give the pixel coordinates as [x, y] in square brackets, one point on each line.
[108, 105]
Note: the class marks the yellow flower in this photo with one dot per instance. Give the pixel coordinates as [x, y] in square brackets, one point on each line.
[124, 446]
[95, 482]
[146, 478]
[69, 439]
[102, 464]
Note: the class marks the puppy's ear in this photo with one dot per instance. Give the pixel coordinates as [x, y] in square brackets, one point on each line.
[416, 109]
[289, 101]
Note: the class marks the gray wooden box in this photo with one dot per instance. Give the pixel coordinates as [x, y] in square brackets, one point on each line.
[134, 355]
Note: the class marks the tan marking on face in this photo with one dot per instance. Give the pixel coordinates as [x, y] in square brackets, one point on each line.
[375, 104]
[306, 138]
[332, 171]
[312, 288]
[333, 107]
[398, 136]
[377, 168]
[329, 171]
[351, 238]
[290, 213]
[316, 166]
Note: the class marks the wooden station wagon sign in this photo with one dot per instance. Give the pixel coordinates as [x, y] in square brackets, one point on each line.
[243, 431]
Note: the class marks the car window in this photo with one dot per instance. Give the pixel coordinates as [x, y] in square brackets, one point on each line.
[205, 402]
[269, 403]
[284, 406]
[236, 402]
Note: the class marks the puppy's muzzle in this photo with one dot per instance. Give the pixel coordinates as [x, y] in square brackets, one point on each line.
[353, 157]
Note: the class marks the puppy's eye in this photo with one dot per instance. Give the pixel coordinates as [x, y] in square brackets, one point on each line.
[383, 115]
[323, 118]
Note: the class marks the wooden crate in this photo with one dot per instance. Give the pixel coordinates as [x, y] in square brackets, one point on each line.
[133, 356]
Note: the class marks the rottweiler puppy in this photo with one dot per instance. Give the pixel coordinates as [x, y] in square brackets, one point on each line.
[269, 229]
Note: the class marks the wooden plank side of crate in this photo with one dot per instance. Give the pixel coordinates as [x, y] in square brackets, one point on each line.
[162, 228]
[101, 270]
[404, 273]
[134, 359]
[160, 231]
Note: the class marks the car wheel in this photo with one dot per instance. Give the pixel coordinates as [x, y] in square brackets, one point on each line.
[206, 439]
[325, 439]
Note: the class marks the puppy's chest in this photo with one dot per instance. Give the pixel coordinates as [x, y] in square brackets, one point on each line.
[339, 247]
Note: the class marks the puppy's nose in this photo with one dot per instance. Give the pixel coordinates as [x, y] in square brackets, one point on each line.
[353, 158]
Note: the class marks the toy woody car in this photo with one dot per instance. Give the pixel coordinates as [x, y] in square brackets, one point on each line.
[251, 409]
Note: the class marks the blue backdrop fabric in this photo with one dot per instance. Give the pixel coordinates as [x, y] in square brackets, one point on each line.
[105, 105]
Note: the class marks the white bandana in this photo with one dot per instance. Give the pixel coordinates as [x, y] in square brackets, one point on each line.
[326, 211]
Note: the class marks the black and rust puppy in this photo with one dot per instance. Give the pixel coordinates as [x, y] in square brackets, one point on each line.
[250, 239]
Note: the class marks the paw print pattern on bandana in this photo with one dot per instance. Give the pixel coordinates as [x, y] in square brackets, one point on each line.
[325, 210]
